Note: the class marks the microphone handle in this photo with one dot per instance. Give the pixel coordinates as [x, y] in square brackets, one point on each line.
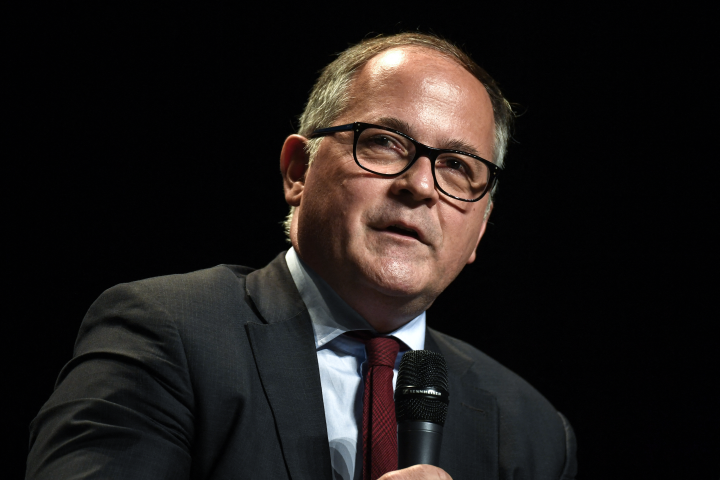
[418, 443]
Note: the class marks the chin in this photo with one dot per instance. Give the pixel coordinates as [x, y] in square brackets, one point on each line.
[397, 277]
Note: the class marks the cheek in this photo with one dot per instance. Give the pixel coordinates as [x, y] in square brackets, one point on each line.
[336, 201]
[461, 230]
[359, 193]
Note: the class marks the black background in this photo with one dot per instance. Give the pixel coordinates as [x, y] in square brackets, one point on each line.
[144, 140]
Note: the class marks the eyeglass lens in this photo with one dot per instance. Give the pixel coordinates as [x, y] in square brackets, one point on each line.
[386, 152]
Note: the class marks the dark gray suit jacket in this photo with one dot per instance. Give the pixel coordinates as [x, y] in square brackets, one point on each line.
[214, 375]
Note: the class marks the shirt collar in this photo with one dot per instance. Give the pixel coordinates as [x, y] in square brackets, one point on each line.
[331, 316]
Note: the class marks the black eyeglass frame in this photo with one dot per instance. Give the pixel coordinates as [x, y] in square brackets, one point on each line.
[420, 150]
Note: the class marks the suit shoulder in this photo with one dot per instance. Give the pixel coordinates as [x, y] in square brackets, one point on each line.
[221, 279]
[458, 348]
[534, 440]
[490, 375]
[211, 293]
[213, 276]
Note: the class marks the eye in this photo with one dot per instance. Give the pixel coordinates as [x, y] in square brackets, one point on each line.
[376, 144]
[453, 163]
[383, 141]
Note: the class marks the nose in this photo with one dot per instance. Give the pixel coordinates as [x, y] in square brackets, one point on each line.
[417, 182]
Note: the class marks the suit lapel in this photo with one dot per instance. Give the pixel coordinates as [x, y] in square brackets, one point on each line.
[470, 436]
[284, 351]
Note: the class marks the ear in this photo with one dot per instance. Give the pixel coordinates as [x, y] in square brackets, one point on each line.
[482, 232]
[293, 166]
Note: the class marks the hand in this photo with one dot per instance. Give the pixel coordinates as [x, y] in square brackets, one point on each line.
[417, 472]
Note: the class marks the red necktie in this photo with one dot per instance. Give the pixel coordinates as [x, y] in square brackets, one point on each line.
[379, 424]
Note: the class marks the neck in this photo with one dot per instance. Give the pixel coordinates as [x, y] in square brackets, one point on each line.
[384, 312]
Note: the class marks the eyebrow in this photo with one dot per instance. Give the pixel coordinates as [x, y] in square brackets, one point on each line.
[459, 145]
[395, 124]
[446, 143]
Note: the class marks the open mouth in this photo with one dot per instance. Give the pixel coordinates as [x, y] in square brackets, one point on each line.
[403, 231]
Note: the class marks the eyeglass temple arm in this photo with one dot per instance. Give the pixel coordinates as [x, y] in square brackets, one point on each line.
[324, 131]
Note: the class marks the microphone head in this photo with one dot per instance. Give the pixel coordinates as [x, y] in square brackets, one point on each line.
[421, 390]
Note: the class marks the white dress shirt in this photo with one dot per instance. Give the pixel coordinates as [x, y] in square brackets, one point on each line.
[341, 361]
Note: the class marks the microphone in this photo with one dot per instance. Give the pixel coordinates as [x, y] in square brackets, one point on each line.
[421, 404]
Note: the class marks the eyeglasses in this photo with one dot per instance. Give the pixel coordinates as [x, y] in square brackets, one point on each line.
[387, 152]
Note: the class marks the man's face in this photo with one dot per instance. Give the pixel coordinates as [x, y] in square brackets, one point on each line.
[398, 238]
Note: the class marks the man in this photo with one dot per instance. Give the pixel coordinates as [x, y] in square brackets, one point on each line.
[235, 373]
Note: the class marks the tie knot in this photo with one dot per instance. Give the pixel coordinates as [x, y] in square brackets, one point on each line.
[382, 351]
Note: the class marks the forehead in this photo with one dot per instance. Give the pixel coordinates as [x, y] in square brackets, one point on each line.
[433, 94]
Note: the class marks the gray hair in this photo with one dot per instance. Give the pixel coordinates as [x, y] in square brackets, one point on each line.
[330, 95]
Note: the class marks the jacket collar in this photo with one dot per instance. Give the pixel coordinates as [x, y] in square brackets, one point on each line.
[470, 444]
[284, 351]
[273, 292]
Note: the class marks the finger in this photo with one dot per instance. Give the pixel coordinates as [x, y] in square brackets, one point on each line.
[417, 472]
